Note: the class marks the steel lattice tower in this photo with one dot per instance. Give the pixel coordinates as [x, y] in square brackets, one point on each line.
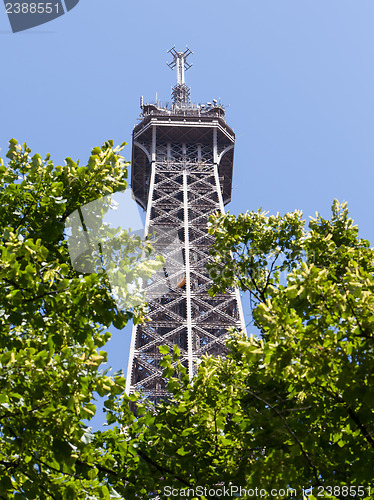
[182, 165]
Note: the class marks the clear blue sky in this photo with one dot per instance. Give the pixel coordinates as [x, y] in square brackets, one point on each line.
[297, 75]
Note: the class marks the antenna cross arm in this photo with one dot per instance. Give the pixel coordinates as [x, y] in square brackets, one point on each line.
[179, 56]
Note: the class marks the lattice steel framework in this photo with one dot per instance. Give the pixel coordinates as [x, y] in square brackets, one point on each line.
[181, 173]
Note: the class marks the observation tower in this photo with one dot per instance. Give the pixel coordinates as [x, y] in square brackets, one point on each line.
[182, 163]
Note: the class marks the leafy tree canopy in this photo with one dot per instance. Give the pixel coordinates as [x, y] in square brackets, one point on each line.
[53, 323]
[293, 407]
[289, 408]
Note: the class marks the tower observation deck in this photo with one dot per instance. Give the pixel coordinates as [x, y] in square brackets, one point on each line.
[182, 162]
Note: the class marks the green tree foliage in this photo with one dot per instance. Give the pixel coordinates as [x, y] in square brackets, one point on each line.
[52, 328]
[289, 408]
[292, 407]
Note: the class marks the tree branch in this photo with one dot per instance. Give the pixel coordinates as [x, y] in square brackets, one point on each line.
[161, 468]
[306, 455]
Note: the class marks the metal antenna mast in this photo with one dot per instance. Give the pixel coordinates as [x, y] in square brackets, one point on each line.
[180, 93]
[182, 164]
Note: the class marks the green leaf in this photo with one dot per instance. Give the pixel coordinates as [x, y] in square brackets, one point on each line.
[164, 349]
